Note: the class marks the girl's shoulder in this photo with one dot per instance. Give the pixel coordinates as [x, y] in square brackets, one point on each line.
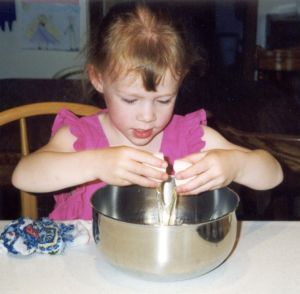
[87, 129]
[215, 140]
[66, 117]
[197, 117]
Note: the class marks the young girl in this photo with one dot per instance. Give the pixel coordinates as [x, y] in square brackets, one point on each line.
[137, 61]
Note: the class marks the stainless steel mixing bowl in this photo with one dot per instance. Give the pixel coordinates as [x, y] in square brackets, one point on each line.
[127, 232]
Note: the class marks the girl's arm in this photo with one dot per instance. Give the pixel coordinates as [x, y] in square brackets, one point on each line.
[57, 166]
[222, 162]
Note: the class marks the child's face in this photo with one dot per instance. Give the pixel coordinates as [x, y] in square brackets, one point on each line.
[137, 114]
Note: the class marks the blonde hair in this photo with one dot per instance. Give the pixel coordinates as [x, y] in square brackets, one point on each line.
[141, 40]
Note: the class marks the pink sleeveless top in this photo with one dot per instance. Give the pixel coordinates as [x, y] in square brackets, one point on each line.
[181, 137]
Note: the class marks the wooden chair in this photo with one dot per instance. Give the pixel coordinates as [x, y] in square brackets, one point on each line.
[20, 113]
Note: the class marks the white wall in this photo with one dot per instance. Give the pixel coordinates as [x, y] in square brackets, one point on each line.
[272, 6]
[16, 62]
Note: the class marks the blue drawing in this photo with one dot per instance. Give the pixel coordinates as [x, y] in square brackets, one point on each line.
[50, 26]
[44, 33]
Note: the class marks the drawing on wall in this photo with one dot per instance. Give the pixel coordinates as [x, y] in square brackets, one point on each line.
[50, 25]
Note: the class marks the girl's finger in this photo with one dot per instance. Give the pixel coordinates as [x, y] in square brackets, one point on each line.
[193, 170]
[197, 181]
[142, 181]
[211, 185]
[148, 158]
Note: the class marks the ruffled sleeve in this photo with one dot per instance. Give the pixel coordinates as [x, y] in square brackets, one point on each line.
[87, 130]
[89, 134]
[183, 135]
[194, 131]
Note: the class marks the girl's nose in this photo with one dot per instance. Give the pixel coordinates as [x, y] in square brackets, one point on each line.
[147, 114]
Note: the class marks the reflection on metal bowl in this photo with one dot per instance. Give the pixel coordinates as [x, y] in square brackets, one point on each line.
[128, 234]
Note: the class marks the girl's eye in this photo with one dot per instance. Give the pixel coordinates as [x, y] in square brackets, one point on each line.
[129, 101]
[165, 101]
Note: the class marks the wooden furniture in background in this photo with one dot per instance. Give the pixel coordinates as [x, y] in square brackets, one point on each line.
[277, 61]
[20, 113]
[286, 148]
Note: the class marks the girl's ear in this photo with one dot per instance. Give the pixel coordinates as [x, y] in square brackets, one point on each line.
[95, 78]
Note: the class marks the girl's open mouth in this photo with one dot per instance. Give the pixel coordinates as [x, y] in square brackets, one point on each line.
[142, 134]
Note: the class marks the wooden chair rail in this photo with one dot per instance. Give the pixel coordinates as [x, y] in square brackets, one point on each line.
[43, 108]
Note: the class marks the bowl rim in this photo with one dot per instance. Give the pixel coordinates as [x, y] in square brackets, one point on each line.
[233, 210]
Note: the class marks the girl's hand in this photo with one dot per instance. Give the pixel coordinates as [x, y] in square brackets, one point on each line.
[209, 170]
[124, 166]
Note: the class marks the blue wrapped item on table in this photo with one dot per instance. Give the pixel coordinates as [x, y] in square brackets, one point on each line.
[25, 236]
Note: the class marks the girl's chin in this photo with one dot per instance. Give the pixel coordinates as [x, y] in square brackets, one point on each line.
[141, 142]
